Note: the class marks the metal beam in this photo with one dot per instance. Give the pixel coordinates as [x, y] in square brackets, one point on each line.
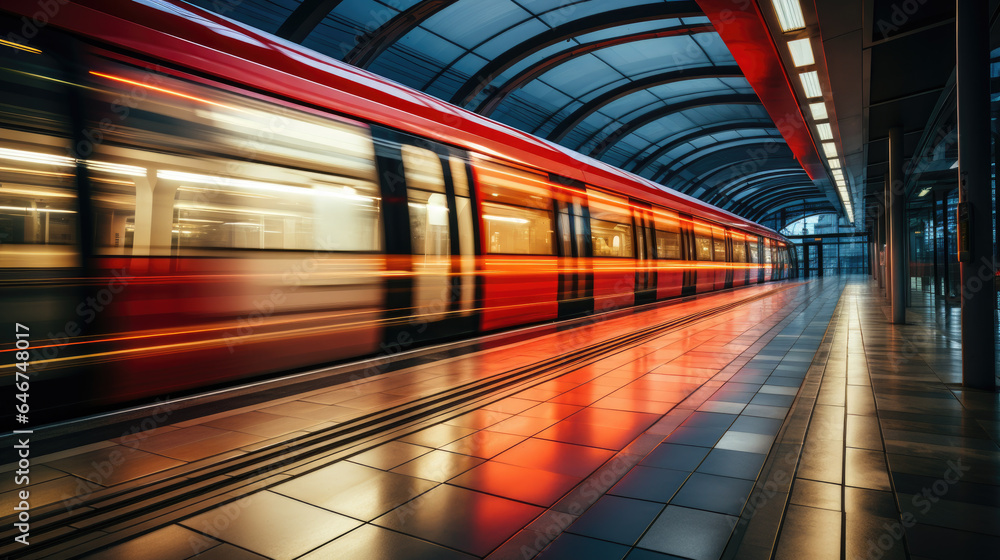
[792, 197]
[635, 124]
[567, 31]
[669, 173]
[708, 131]
[596, 104]
[759, 180]
[709, 174]
[379, 40]
[500, 93]
[717, 197]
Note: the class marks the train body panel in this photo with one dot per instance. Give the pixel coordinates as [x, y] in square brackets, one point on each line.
[188, 202]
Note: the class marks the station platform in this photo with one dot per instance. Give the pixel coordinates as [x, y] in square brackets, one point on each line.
[786, 421]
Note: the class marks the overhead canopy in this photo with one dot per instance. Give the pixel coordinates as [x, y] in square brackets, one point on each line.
[645, 85]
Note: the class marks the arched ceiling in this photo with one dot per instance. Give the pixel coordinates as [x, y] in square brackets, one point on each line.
[645, 85]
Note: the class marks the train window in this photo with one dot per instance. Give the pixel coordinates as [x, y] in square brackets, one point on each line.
[517, 210]
[752, 244]
[703, 248]
[668, 234]
[183, 167]
[38, 219]
[767, 251]
[719, 244]
[610, 225]
[739, 248]
[428, 202]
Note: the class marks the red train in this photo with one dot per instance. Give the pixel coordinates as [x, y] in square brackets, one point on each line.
[186, 201]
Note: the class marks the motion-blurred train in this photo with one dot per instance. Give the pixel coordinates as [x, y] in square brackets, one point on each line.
[185, 201]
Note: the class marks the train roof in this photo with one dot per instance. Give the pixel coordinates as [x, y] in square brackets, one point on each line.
[185, 35]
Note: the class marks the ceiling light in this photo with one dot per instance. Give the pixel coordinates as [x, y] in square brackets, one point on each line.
[834, 164]
[810, 83]
[825, 133]
[818, 111]
[789, 15]
[802, 53]
[830, 149]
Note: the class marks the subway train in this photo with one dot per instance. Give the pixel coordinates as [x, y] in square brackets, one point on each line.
[186, 202]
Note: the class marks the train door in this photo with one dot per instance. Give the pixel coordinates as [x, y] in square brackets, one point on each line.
[738, 244]
[756, 253]
[518, 243]
[429, 238]
[689, 254]
[704, 253]
[645, 264]
[768, 259]
[576, 279]
[669, 246]
[614, 250]
[720, 254]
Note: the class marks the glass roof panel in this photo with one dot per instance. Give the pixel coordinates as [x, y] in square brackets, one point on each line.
[629, 29]
[520, 33]
[266, 15]
[556, 16]
[470, 23]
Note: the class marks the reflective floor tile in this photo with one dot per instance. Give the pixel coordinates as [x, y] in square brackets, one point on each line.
[714, 493]
[677, 457]
[616, 519]
[534, 486]
[809, 533]
[642, 554]
[523, 425]
[484, 444]
[689, 533]
[575, 547]
[113, 465]
[742, 441]
[815, 494]
[172, 542]
[582, 433]
[375, 543]
[757, 425]
[438, 465]
[389, 455]
[272, 525]
[710, 420]
[224, 552]
[437, 436]
[478, 419]
[554, 456]
[865, 469]
[702, 437]
[363, 499]
[462, 519]
[650, 483]
[735, 464]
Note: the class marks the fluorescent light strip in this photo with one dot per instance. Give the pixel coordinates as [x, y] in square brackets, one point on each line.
[830, 149]
[810, 83]
[818, 111]
[802, 53]
[834, 163]
[789, 14]
[825, 132]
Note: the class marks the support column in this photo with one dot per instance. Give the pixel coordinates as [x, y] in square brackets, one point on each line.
[879, 241]
[897, 226]
[975, 243]
[888, 242]
[934, 237]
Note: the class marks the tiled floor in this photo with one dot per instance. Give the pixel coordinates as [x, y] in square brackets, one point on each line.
[695, 444]
[897, 459]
